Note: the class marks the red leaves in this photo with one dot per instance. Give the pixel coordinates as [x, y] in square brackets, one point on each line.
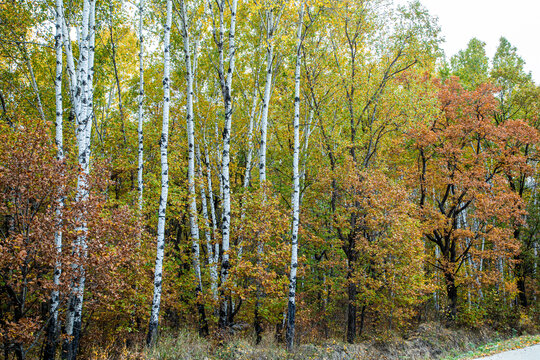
[31, 182]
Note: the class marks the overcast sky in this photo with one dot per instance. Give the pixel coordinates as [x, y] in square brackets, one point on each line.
[488, 20]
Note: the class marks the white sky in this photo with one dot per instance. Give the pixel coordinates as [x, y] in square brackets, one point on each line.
[488, 20]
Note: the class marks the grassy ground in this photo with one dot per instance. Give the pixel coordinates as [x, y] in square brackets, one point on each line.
[497, 347]
[429, 341]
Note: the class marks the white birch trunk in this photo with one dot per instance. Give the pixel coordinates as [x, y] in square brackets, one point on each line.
[158, 275]
[212, 205]
[249, 156]
[82, 95]
[266, 96]
[295, 201]
[192, 195]
[207, 233]
[140, 165]
[219, 154]
[52, 331]
[226, 213]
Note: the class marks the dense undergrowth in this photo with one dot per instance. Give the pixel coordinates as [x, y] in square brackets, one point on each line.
[431, 340]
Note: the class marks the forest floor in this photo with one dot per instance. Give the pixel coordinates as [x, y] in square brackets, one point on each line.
[429, 341]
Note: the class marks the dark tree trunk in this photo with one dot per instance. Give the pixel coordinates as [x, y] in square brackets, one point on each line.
[520, 271]
[224, 308]
[362, 319]
[74, 344]
[521, 291]
[451, 291]
[152, 333]
[51, 341]
[520, 281]
[279, 332]
[291, 313]
[351, 313]
[257, 322]
[203, 325]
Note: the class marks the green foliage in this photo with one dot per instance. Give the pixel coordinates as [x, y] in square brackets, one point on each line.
[472, 64]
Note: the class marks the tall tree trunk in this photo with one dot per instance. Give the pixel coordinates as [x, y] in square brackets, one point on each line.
[82, 93]
[351, 309]
[52, 327]
[208, 234]
[226, 213]
[116, 76]
[212, 206]
[249, 155]
[295, 201]
[193, 217]
[140, 165]
[270, 28]
[519, 271]
[158, 276]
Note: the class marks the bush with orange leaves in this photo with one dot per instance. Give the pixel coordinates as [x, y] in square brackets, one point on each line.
[31, 182]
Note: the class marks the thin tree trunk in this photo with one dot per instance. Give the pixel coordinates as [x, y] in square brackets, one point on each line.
[83, 100]
[33, 81]
[270, 28]
[295, 201]
[116, 77]
[140, 166]
[193, 217]
[307, 133]
[249, 155]
[226, 213]
[212, 206]
[53, 328]
[208, 235]
[351, 311]
[158, 276]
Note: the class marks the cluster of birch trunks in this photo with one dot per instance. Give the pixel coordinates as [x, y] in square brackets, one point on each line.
[80, 79]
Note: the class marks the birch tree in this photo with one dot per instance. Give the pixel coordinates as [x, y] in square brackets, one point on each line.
[212, 260]
[272, 22]
[158, 271]
[295, 201]
[140, 165]
[193, 219]
[225, 81]
[53, 328]
[82, 91]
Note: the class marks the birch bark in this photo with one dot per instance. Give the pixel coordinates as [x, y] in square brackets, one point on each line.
[140, 165]
[270, 27]
[249, 156]
[226, 83]
[193, 220]
[295, 201]
[52, 330]
[82, 93]
[158, 276]
[207, 233]
[212, 206]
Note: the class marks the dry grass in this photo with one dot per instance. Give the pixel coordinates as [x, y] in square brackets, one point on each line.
[429, 341]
